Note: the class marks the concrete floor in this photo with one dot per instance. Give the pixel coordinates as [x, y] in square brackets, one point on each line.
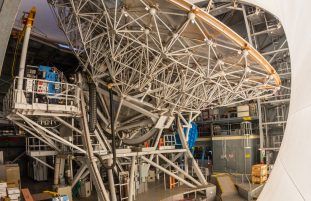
[156, 192]
[38, 187]
[93, 197]
[232, 198]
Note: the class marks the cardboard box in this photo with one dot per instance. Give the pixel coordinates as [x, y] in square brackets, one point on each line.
[259, 180]
[243, 111]
[3, 185]
[2, 173]
[13, 174]
[3, 194]
[259, 170]
[10, 173]
[1, 157]
[6, 199]
[65, 190]
[13, 185]
[14, 196]
[13, 191]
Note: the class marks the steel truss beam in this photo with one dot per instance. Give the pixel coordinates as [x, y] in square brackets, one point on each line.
[186, 68]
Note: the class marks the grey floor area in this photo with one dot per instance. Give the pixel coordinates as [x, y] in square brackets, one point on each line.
[155, 193]
[39, 187]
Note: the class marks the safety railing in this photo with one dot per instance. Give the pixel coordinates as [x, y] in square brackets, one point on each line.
[97, 148]
[168, 141]
[45, 95]
[252, 10]
[35, 146]
[283, 67]
[273, 24]
[123, 185]
[8, 101]
[276, 141]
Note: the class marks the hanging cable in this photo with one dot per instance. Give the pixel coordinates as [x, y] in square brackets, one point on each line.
[18, 41]
[92, 107]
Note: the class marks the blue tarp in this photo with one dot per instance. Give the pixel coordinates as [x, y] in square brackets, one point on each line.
[193, 136]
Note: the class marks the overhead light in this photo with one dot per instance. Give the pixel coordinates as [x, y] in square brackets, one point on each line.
[65, 46]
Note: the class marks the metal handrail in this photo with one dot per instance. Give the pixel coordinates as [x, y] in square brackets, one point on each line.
[31, 145]
[68, 94]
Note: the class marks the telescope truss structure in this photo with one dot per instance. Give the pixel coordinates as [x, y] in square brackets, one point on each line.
[165, 60]
[168, 53]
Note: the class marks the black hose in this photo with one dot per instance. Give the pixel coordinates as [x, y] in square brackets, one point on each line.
[93, 121]
[92, 107]
[113, 146]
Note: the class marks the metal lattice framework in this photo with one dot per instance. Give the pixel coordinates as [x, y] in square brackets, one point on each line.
[166, 60]
[168, 53]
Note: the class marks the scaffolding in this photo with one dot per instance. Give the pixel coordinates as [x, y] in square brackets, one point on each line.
[263, 27]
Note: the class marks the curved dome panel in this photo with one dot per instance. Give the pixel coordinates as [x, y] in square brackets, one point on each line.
[290, 176]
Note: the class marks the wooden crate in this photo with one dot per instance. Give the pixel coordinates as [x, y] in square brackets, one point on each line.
[259, 170]
[259, 180]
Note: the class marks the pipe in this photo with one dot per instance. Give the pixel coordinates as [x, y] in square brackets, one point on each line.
[261, 135]
[56, 170]
[247, 26]
[111, 182]
[132, 176]
[28, 24]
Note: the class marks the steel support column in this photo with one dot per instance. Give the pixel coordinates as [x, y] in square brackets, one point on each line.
[132, 183]
[112, 188]
[261, 135]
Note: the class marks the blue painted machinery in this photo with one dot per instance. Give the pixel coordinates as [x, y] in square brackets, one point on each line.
[43, 81]
[50, 74]
[192, 136]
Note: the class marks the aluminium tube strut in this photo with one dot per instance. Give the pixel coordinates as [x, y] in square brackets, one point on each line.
[28, 26]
